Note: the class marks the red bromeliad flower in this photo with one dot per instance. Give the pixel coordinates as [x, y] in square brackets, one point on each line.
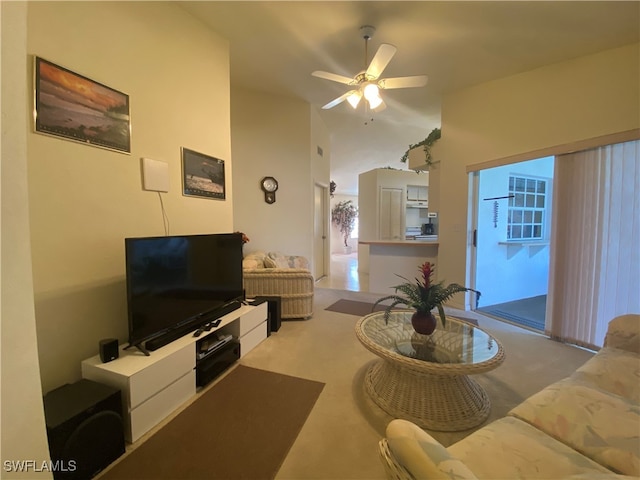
[427, 270]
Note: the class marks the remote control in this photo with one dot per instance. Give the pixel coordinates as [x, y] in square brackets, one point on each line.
[198, 332]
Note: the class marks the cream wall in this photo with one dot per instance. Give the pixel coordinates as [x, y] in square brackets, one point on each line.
[23, 427]
[84, 200]
[554, 105]
[320, 175]
[320, 163]
[276, 136]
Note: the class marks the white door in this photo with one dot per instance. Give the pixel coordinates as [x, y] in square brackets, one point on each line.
[320, 243]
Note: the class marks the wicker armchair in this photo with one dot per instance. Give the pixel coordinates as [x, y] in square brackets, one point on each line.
[284, 276]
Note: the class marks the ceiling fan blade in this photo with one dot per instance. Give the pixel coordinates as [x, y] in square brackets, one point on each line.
[380, 60]
[338, 101]
[403, 82]
[334, 77]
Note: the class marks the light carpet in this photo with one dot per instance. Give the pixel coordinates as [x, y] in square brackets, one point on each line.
[339, 439]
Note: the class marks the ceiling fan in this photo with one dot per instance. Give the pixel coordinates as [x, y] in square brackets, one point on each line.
[368, 82]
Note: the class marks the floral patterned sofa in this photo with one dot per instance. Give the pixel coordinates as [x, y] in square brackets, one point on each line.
[586, 426]
[284, 276]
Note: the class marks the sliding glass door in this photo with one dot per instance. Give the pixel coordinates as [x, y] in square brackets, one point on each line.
[511, 236]
[557, 241]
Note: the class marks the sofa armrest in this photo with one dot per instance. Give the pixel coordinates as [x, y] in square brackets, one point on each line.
[623, 332]
[412, 450]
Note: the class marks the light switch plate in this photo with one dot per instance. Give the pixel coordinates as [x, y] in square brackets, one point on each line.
[155, 175]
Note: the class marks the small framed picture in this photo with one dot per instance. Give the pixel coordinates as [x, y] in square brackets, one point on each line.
[202, 175]
[74, 107]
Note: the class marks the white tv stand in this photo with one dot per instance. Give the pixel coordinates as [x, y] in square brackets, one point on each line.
[154, 386]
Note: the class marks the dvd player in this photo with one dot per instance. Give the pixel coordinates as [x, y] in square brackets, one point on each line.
[211, 343]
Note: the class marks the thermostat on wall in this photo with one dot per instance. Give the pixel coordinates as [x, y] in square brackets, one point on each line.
[155, 175]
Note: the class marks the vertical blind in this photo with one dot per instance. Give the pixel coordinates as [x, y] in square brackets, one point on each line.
[595, 242]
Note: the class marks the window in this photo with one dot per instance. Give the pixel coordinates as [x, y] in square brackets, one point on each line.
[527, 204]
[354, 232]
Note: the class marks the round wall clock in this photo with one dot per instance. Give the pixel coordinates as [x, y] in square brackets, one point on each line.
[269, 186]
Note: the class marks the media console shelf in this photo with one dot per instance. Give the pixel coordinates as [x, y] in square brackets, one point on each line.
[154, 386]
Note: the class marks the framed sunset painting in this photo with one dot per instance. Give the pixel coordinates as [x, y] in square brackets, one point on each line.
[74, 107]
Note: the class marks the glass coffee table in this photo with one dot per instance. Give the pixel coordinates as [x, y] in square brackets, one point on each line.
[425, 378]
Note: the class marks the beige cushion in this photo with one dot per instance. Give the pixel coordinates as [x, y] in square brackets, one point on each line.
[598, 424]
[512, 449]
[623, 332]
[270, 262]
[254, 260]
[279, 260]
[612, 370]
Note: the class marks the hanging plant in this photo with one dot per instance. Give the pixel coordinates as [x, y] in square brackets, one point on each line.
[427, 143]
[344, 215]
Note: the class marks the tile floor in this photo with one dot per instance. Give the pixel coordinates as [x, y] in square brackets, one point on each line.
[344, 274]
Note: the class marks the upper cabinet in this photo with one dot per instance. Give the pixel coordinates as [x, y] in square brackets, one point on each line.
[417, 161]
[417, 196]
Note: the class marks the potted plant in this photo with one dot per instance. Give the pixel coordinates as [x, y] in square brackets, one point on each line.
[344, 215]
[427, 143]
[423, 296]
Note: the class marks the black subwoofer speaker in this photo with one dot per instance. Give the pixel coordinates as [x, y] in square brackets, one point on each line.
[84, 428]
[274, 306]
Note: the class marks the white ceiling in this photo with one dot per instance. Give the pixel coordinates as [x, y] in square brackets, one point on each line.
[274, 47]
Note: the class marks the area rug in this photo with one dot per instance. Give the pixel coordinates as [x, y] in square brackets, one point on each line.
[242, 428]
[352, 307]
[360, 309]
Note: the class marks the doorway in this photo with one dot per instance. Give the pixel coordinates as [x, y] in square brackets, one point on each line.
[512, 232]
[320, 226]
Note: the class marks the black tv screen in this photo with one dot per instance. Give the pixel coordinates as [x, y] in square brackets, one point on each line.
[178, 283]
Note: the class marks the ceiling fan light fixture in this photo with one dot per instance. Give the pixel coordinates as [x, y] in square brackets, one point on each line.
[354, 99]
[372, 94]
[374, 102]
[371, 91]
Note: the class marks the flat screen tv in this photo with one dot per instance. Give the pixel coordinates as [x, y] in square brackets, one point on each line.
[176, 284]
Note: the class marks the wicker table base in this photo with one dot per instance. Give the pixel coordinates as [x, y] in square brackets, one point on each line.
[425, 379]
[445, 403]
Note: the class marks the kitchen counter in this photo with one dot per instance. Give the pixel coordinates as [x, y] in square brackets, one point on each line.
[429, 242]
[385, 260]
